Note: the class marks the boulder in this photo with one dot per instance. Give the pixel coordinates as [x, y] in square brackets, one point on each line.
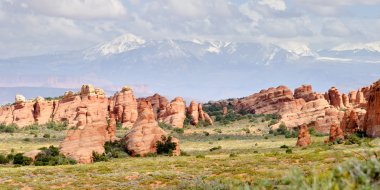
[145, 133]
[304, 138]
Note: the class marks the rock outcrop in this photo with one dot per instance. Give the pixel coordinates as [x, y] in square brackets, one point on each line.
[305, 92]
[197, 114]
[124, 106]
[175, 113]
[334, 98]
[145, 133]
[92, 128]
[304, 138]
[372, 117]
[159, 104]
[336, 132]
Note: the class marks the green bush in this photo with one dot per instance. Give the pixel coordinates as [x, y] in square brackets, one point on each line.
[217, 130]
[115, 149]
[289, 151]
[4, 128]
[215, 148]
[246, 130]
[179, 130]
[26, 139]
[166, 146]
[350, 175]
[284, 146]
[20, 159]
[46, 136]
[119, 125]
[206, 133]
[3, 159]
[51, 157]
[57, 126]
[96, 157]
[233, 155]
[183, 153]
[165, 126]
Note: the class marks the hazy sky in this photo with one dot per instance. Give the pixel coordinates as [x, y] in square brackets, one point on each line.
[31, 27]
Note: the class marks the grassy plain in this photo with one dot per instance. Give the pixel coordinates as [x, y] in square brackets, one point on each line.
[248, 156]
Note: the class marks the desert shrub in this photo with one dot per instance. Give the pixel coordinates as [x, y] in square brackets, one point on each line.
[165, 126]
[282, 129]
[200, 156]
[57, 126]
[51, 157]
[288, 151]
[206, 133]
[284, 146]
[115, 149]
[183, 153]
[150, 154]
[119, 125]
[33, 126]
[233, 155]
[20, 159]
[350, 175]
[215, 148]
[46, 136]
[187, 119]
[3, 159]
[202, 123]
[96, 157]
[26, 139]
[246, 130]
[4, 128]
[179, 130]
[166, 146]
[217, 130]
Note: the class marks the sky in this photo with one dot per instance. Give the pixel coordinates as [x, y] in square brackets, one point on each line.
[34, 27]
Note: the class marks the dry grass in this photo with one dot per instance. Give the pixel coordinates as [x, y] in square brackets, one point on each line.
[257, 159]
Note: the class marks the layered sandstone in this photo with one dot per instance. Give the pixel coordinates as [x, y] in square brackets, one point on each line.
[124, 106]
[334, 98]
[159, 104]
[305, 92]
[372, 117]
[92, 128]
[145, 133]
[175, 113]
[197, 114]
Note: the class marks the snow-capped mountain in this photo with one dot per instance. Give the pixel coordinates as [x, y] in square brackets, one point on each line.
[200, 68]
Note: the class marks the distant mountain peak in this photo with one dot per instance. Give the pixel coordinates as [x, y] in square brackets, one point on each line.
[372, 46]
[121, 44]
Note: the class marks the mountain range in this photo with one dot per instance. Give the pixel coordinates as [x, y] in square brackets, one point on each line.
[199, 69]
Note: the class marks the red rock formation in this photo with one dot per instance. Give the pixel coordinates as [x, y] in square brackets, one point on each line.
[304, 138]
[225, 110]
[266, 101]
[196, 112]
[336, 132]
[352, 97]
[372, 117]
[335, 98]
[145, 133]
[305, 92]
[124, 106]
[175, 113]
[345, 100]
[353, 120]
[22, 111]
[159, 104]
[93, 129]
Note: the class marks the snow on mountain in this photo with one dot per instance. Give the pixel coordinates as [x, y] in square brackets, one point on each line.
[124, 43]
[373, 46]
